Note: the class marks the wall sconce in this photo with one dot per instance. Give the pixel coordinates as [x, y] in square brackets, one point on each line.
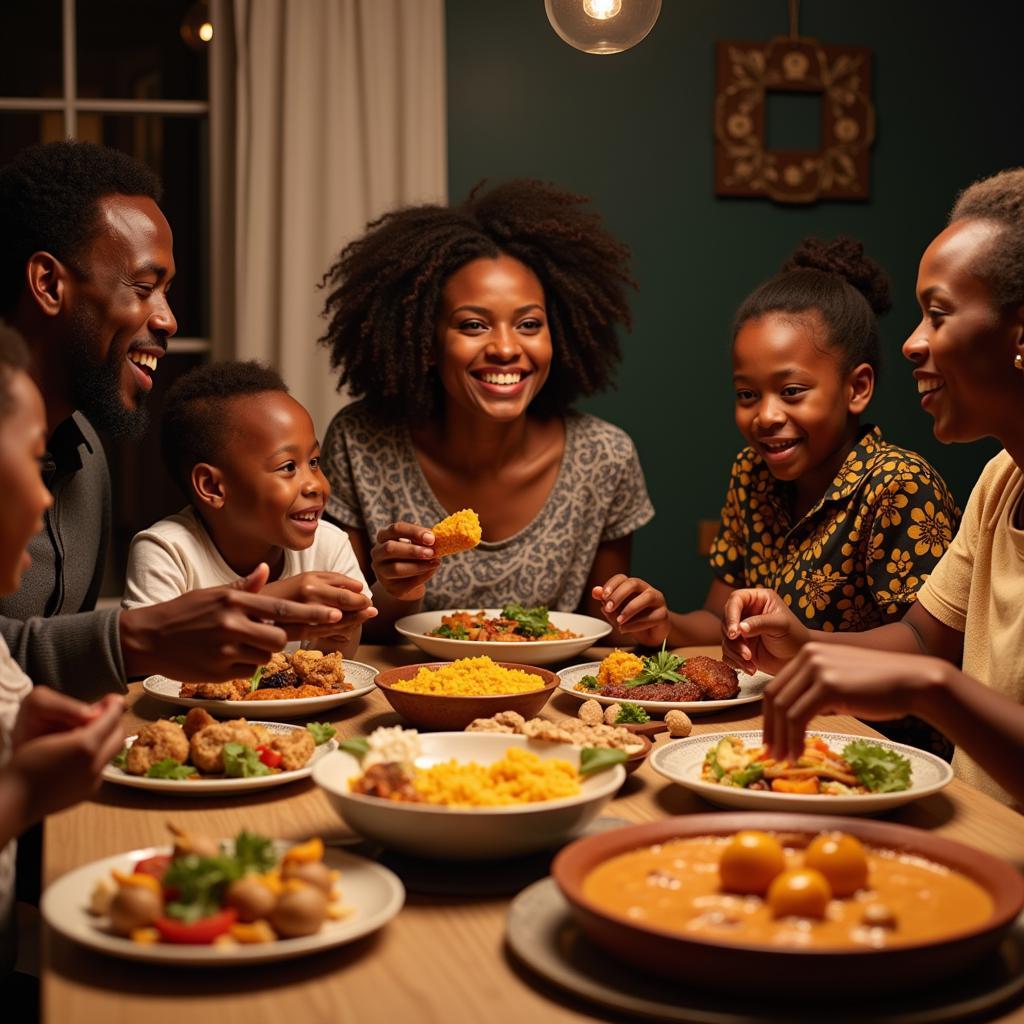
[196, 27]
[602, 26]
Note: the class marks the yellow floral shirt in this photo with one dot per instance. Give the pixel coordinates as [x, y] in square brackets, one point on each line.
[858, 558]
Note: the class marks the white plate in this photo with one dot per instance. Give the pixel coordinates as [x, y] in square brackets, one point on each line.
[372, 891]
[529, 652]
[751, 688]
[681, 762]
[467, 833]
[359, 675]
[218, 786]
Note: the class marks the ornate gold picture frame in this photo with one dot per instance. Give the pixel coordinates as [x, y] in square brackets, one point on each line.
[745, 73]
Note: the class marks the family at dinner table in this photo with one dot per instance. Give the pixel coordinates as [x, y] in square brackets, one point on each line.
[467, 334]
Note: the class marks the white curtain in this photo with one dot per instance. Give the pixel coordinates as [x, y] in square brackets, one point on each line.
[339, 112]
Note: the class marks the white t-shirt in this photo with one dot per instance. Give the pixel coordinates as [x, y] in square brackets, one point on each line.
[177, 555]
[14, 688]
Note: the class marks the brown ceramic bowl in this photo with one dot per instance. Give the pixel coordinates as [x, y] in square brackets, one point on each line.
[633, 761]
[709, 963]
[432, 711]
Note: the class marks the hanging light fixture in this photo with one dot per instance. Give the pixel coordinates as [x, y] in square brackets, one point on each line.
[602, 26]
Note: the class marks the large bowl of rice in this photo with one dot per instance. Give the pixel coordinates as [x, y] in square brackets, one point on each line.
[462, 832]
[450, 694]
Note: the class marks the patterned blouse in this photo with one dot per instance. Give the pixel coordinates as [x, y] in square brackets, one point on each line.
[857, 559]
[599, 495]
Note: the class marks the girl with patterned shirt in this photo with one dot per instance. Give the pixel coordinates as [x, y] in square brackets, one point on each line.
[957, 658]
[821, 508]
[467, 333]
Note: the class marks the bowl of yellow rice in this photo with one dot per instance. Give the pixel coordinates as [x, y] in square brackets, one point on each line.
[482, 796]
[451, 694]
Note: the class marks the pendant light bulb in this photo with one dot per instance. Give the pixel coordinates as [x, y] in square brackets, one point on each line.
[602, 26]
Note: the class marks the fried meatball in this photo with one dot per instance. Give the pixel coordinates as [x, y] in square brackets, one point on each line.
[207, 745]
[196, 719]
[155, 742]
[716, 679]
[295, 748]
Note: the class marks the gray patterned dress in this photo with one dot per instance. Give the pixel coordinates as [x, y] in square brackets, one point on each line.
[599, 495]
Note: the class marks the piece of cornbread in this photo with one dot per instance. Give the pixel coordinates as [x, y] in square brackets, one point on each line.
[458, 532]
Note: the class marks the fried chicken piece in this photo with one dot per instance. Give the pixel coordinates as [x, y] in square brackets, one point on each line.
[233, 689]
[207, 745]
[155, 742]
[314, 668]
[295, 748]
[716, 679]
[196, 719]
[458, 532]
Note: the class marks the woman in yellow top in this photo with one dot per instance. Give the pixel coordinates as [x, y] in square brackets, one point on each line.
[968, 353]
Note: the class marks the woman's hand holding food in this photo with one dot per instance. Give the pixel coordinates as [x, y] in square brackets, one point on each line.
[59, 748]
[826, 677]
[403, 560]
[759, 631]
[635, 609]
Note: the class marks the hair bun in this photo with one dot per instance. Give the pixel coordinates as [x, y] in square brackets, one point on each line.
[845, 258]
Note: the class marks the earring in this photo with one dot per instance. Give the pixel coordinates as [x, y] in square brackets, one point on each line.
[1018, 362]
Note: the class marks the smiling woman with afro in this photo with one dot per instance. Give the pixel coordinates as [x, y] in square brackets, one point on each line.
[467, 333]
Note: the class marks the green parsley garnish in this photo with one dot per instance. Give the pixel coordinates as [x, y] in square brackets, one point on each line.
[631, 713]
[358, 746]
[254, 682]
[241, 762]
[659, 668]
[456, 632]
[168, 768]
[880, 769]
[322, 731]
[529, 621]
[121, 759]
[591, 683]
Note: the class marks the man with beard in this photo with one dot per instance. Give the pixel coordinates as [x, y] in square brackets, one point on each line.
[85, 267]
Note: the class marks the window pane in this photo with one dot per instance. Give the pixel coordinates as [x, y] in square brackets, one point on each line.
[20, 130]
[177, 148]
[133, 49]
[32, 64]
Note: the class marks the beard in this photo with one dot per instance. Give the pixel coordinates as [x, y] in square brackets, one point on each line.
[96, 387]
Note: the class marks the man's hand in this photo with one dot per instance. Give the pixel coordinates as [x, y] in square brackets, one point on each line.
[760, 632]
[218, 632]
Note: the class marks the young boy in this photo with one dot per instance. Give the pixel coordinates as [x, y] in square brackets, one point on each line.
[246, 454]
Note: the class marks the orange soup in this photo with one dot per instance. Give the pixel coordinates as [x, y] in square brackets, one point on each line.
[676, 886]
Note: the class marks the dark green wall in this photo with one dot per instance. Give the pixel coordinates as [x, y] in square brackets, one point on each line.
[634, 131]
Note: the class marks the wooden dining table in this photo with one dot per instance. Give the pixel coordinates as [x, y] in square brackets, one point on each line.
[442, 959]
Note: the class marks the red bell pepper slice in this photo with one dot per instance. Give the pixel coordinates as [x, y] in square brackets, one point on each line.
[271, 758]
[198, 933]
[156, 866]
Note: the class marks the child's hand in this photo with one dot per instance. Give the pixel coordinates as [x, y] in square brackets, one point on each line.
[54, 765]
[634, 608]
[333, 589]
[403, 560]
[759, 631]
